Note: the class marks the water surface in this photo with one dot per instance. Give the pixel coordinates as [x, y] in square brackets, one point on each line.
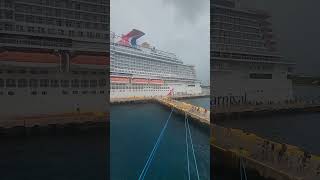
[134, 130]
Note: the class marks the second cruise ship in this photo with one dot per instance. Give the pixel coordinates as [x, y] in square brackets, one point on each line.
[142, 70]
[246, 66]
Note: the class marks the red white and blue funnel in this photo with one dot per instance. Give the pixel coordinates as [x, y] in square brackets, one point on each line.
[130, 39]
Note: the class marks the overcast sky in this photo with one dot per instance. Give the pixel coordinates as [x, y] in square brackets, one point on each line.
[177, 26]
[297, 27]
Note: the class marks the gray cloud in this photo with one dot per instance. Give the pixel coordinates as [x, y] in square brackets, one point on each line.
[188, 10]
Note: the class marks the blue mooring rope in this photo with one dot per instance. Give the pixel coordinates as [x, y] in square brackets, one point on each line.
[188, 163]
[194, 156]
[242, 170]
[155, 147]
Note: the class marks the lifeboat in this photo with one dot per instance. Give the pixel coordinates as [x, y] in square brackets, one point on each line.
[156, 81]
[139, 81]
[89, 61]
[29, 59]
[118, 79]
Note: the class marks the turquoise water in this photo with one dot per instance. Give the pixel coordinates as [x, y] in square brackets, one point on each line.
[134, 131]
[202, 102]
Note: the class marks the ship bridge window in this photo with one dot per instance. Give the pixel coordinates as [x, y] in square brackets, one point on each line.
[102, 82]
[84, 83]
[54, 83]
[93, 83]
[10, 83]
[44, 82]
[75, 83]
[64, 83]
[22, 83]
[33, 83]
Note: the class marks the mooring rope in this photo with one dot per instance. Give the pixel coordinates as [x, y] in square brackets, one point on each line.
[155, 147]
[194, 156]
[188, 163]
[242, 170]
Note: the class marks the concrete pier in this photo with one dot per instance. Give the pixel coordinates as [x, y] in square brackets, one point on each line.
[197, 113]
[140, 99]
[265, 108]
[270, 159]
[21, 125]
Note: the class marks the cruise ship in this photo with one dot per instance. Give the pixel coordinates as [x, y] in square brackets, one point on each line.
[246, 66]
[141, 70]
[53, 57]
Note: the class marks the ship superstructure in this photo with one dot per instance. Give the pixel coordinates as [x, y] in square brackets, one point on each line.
[143, 70]
[245, 64]
[53, 56]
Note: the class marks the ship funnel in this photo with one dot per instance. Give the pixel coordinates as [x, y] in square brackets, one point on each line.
[131, 38]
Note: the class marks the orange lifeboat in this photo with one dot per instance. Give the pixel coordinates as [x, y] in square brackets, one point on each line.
[156, 81]
[139, 81]
[118, 79]
[90, 61]
[17, 58]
